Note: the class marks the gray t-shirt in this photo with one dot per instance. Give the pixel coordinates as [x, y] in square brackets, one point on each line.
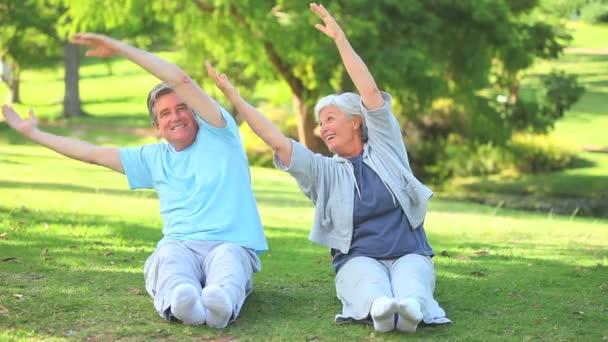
[380, 227]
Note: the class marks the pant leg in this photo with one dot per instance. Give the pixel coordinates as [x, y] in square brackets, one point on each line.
[413, 275]
[170, 265]
[358, 283]
[231, 267]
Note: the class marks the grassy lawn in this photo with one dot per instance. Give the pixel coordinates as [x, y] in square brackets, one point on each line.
[588, 36]
[73, 241]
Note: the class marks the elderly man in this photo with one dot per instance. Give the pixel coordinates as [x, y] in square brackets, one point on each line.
[202, 269]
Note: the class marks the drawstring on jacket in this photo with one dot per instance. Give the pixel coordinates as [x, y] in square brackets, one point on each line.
[383, 181]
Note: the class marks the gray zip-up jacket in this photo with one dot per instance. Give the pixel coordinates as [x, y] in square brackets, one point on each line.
[330, 182]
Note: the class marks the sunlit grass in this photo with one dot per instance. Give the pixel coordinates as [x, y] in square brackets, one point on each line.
[79, 239]
[588, 36]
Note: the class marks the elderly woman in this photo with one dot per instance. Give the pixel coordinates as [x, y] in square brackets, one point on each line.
[369, 207]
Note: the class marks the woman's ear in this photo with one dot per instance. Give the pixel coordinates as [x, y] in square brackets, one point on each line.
[358, 120]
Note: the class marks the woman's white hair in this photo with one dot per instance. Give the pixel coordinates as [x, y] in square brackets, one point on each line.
[349, 103]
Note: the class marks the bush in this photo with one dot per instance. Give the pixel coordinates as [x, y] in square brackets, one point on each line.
[560, 92]
[595, 12]
[439, 160]
[539, 153]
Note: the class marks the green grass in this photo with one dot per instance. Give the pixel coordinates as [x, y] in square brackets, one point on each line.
[80, 238]
[588, 36]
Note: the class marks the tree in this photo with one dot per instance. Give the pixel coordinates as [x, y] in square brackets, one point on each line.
[420, 51]
[31, 37]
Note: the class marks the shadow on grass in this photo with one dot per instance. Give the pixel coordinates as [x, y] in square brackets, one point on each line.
[592, 103]
[494, 296]
[111, 227]
[516, 296]
[75, 188]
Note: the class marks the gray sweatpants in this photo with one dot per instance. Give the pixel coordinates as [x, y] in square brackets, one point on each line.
[361, 280]
[200, 263]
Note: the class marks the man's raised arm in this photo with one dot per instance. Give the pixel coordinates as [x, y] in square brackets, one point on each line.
[196, 98]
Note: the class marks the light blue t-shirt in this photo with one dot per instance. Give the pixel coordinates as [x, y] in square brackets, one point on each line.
[205, 190]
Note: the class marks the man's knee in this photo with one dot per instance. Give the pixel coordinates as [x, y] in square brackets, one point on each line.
[170, 252]
[229, 249]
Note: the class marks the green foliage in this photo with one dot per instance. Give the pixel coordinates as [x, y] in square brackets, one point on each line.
[595, 12]
[562, 8]
[477, 160]
[452, 157]
[420, 51]
[537, 154]
[28, 34]
[560, 91]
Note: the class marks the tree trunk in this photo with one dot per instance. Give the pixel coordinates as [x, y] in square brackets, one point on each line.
[513, 92]
[13, 90]
[71, 100]
[306, 128]
[10, 76]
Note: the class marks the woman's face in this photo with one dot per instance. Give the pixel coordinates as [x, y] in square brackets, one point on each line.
[340, 132]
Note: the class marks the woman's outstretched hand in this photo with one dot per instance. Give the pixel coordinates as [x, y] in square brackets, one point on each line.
[331, 27]
[221, 81]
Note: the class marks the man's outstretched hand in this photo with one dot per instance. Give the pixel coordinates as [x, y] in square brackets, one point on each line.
[25, 127]
[98, 44]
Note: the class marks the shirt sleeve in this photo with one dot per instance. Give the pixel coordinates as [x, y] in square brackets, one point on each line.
[383, 127]
[229, 131]
[305, 167]
[136, 166]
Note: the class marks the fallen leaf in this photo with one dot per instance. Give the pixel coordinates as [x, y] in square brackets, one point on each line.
[478, 273]
[134, 291]
[462, 257]
[131, 259]
[105, 253]
[9, 259]
[3, 310]
[4, 236]
[45, 252]
[72, 246]
[18, 296]
[445, 254]
[481, 253]
[536, 305]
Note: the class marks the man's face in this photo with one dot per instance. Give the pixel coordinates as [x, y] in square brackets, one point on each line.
[176, 122]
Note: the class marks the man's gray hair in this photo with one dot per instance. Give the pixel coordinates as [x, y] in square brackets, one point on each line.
[349, 103]
[159, 90]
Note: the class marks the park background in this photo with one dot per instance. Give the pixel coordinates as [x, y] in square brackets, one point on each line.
[503, 109]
